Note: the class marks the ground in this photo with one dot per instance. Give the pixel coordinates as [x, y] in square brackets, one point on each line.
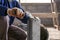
[54, 34]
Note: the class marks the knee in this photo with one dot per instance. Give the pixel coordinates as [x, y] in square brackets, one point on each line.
[24, 35]
[17, 33]
[21, 35]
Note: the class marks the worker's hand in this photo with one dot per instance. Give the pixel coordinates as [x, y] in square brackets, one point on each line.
[16, 12]
[10, 12]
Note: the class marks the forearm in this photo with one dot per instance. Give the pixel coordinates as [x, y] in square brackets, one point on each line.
[25, 19]
[18, 5]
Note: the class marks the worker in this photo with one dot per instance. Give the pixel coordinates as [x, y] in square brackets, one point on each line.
[14, 10]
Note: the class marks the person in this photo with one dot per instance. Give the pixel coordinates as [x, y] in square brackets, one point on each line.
[14, 10]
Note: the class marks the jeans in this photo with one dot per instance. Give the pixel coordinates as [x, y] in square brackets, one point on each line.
[10, 31]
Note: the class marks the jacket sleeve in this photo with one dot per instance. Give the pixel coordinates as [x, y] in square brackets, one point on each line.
[26, 17]
[3, 10]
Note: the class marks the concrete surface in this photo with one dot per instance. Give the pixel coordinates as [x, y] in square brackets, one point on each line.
[54, 34]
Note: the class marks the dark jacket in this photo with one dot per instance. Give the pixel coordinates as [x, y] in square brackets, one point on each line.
[4, 5]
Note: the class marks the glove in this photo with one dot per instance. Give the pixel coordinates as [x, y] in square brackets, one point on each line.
[16, 12]
[10, 12]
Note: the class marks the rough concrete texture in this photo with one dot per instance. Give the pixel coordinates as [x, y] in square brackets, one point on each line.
[54, 34]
